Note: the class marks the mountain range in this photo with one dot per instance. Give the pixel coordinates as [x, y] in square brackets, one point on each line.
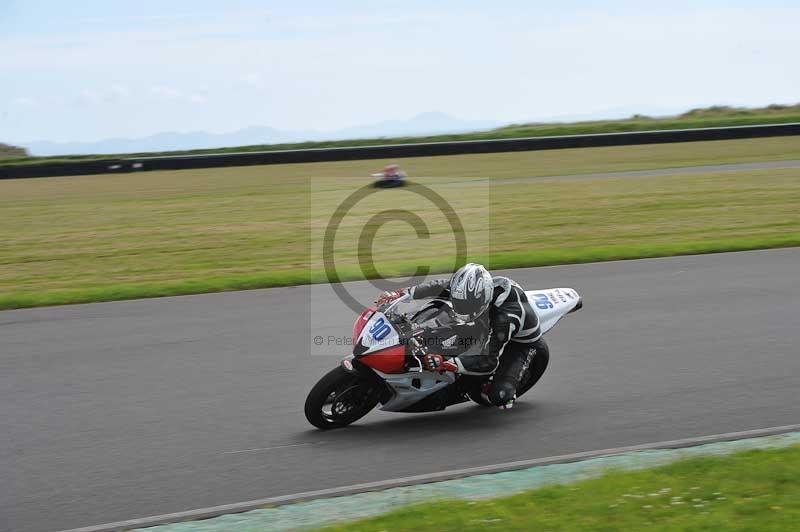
[430, 123]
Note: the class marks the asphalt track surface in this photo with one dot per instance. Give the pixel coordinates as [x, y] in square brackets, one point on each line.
[115, 411]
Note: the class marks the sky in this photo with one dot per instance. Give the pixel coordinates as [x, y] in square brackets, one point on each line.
[79, 71]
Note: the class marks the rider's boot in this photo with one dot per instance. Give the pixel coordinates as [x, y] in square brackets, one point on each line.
[513, 364]
[509, 404]
[502, 394]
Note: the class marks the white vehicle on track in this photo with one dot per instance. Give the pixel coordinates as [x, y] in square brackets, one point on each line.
[386, 366]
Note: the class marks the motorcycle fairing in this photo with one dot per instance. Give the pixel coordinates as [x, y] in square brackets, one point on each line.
[391, 360]
[377, 334]
[552, 304]
[412, 387]
[377, 344]
[377, 348]
[362, 320]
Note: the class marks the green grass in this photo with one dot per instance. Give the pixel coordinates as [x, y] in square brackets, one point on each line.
[103, 238]
[750, 491]
[717, 116]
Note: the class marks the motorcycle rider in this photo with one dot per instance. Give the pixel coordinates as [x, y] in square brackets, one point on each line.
[391, 176]
[504, 326]
[393, 171]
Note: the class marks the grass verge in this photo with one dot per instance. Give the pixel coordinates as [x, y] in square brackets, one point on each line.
[103, 238]
[520, 259]
[753, 490]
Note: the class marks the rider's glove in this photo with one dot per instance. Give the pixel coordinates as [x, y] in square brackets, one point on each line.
[433, 362]
[388, 297]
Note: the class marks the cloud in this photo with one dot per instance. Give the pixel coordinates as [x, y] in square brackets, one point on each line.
[253, 80]
[167, 93]
[114, 94]
[90, 97]
[527, 64]
[24, 101]
[119, 92]
[162, 92]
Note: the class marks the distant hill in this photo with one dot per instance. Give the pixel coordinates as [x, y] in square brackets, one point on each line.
[441, 128]
[6, 150]
[431, 123]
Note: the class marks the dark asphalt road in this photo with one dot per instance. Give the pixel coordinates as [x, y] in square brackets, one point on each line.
[122, 410]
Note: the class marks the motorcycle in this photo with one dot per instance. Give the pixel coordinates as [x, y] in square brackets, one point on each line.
[385, 366]
[391, 176]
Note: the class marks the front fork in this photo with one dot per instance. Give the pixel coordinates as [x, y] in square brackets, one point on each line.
[351, 365]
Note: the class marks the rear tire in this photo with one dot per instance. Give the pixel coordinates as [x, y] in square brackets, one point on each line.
[532, 375]
[338, 399]
[478, 398]
[536, 369]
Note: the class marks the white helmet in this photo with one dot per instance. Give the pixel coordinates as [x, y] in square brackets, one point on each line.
[471, 291]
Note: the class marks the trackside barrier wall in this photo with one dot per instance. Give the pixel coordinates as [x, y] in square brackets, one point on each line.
[392, 151]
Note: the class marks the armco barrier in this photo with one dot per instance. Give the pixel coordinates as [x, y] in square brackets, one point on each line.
[394, 151]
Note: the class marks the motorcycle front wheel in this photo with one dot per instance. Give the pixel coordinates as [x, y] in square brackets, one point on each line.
[338, 399]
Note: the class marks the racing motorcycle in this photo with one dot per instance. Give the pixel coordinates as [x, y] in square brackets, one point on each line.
[385, 366]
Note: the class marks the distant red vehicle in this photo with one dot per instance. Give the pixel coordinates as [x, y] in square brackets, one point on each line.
[391, 176]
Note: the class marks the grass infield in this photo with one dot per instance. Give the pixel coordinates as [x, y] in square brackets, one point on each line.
[752, 491]
[103, 238]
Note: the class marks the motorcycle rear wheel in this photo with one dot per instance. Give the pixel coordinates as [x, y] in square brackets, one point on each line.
[529, 378]
[536, 369]
[338, 399]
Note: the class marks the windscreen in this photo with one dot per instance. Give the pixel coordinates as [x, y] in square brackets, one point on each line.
[426, 313]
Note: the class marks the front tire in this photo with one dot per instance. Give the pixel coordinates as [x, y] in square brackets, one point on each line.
[338, 399]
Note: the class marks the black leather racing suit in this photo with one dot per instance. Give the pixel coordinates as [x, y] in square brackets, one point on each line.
[502, 340]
